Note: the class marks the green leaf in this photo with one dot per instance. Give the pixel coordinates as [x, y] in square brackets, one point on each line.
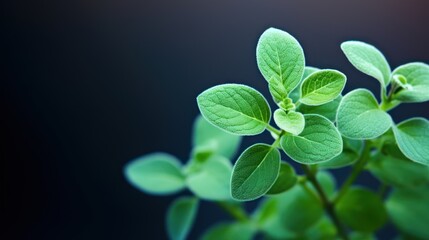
[412, 136]
[409, 211]
[367, 59]
[417, 85]
[295, 92]
[280, 57]
[349, 155]
[210, 138]
[292, 122]
[327, 181]
[235, 108]
[277, 90]
[156, 173]
[322, 87]
[388, 168]
[230, 231]
[359, 116]
[286, 179]
[323, 229]
[180, 217]
[320, 141]
[328, 110]
[210, 180]
[362, 210]
[255, 172]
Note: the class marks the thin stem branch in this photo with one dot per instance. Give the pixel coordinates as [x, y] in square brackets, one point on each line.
[234, 210]
[273, 130]
[357, 169]
[329, 206]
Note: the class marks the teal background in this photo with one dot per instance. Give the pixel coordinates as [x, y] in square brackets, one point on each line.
[88, 85]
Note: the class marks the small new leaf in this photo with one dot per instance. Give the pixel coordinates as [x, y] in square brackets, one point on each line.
[359, 116]
[255, 172]
[367, 59]
[320, 141]
[235, 108]
[417, 82]
[180, 217]
[292, 122]
[322, 86]
[412, 136]
[280, 58]
[156, 173]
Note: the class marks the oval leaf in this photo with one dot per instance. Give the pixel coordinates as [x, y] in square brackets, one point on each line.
[359, 116]
[328, 110]
[412, 136]
[292, 122]
[210, 138]
[156, 173]
[286, 179]
[235, 108]
[180, 217]
[362, 210]
[322, 86]
[211, 180]
[320, 141]
[294, 95]
[409, 211]
[417, 85]
[230, 231]
[279, 56]
[367, 59]
[255, 172]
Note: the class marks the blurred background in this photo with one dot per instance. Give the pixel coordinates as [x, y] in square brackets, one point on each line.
[89, 85]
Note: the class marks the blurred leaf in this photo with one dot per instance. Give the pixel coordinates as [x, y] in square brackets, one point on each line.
[323, 229]
[286, 179]
[181, 216]
[230, 231]
[156, 173]
[362, 210]
[255, 172]
[416, 88]
[327, 181]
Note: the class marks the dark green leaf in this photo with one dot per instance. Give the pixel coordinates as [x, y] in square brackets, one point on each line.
[286, 179]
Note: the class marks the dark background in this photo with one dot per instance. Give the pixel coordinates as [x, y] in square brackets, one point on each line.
[88, 85]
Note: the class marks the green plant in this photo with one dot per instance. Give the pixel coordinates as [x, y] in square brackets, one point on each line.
[319, 129]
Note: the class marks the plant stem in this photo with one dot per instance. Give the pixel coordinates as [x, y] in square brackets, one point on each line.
[329, 206]
[235, 210]
[273, 130]
[357, 169]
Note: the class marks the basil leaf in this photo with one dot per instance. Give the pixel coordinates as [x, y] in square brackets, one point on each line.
[367, 59]
[359, 116]
[280, 57]
[320, 141]
[255, 172]
[180, 217]
[412, 136]
[286, 179]
[417, 82]
[322, 87]
[210, 180]
[328, 110]
[156, 173]
[207, 137]
[362, 210]
[235, 108]
[292, 122]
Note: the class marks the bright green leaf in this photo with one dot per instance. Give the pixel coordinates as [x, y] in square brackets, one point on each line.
[235, 108]
[362, 210]
[294, 95]
[210, 180]
[230, 231]
[350, 154]
[328, 110]
[367, 59]
[286, 179]
[359, 116]
[292, 122]
[279, 56]
[322, 86]
[320, 141]
[409, 211]
[277, 90]
[208, 137]
[412, 136]
[417, 82]
[156, 173]
[180, 217]
[255, 172]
